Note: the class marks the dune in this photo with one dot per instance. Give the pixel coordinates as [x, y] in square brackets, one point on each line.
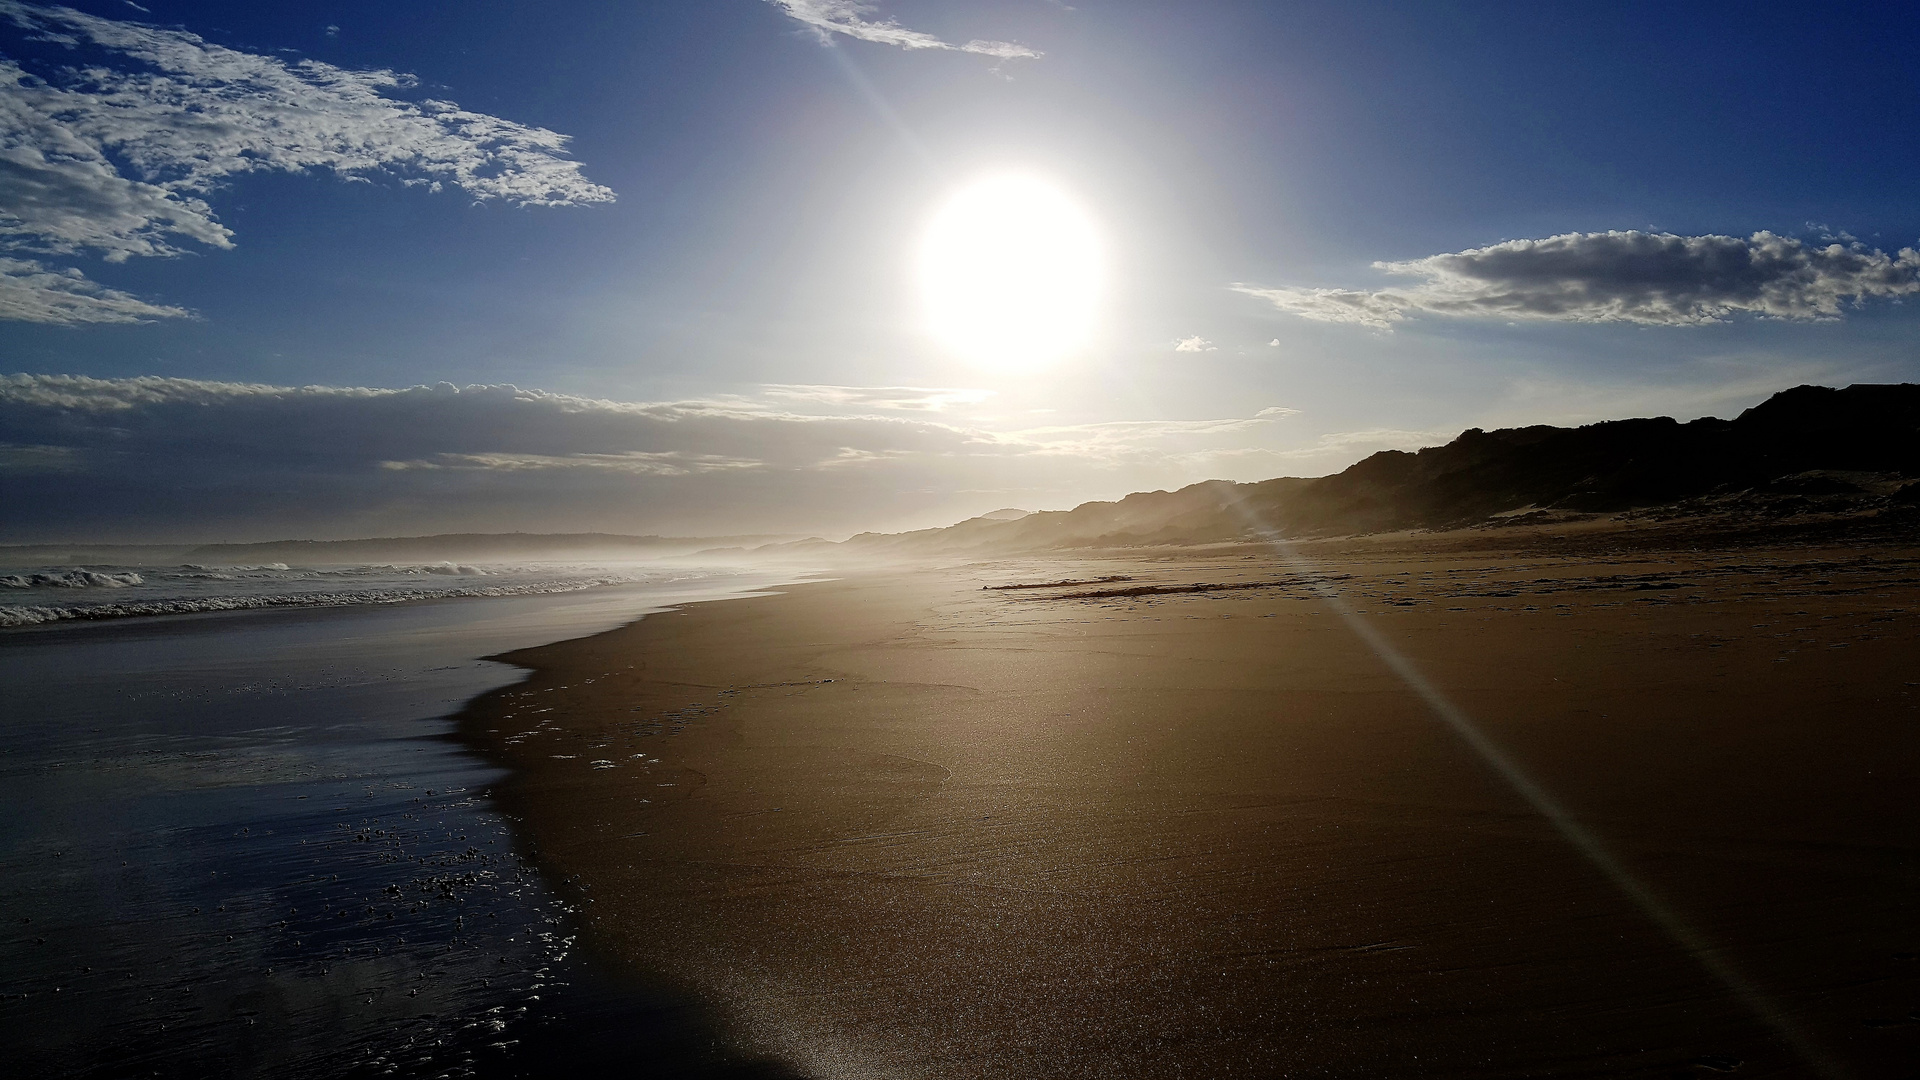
[1846, 459]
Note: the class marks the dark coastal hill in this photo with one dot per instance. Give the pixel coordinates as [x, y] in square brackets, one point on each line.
[1808, 450]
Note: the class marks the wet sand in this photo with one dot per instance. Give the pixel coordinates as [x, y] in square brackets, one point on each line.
[901, 825]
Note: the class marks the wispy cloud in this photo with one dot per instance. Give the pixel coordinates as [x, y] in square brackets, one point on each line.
[475, 426]
[1192, 443]
[118, 158]
[1196, 343]
[1345, 445]
[159, 453]
[1376, 310]
[637, 462]
[33, 292]
[140, 455]
[898, 398]
[1128, 431]
[1657, 279]
[852, 18]
[37, 459]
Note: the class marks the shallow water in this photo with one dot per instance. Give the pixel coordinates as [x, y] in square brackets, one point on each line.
[240, 844]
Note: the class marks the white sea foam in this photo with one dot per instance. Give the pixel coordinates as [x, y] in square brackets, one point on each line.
[70, 579]
[47, 594]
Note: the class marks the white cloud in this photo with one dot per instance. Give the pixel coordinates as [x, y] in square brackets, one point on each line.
[60, 194]
[1163, 453]
[849, 17]
[853, 457]
[31, 292]
[1196, 343]
[1657, 279]
[637, 462]
[1347, 445]
[1131, 431]
[1135, 442]
[902, 398]
[1377, 310]
[117, 160]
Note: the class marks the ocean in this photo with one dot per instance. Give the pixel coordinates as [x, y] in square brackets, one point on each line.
[36, 596]
[238, 837]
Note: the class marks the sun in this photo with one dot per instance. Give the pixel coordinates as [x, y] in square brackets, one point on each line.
[1011, 270]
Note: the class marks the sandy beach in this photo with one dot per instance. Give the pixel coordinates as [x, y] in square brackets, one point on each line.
[1192, 823]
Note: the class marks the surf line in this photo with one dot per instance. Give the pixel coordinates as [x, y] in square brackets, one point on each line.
[1703, 951]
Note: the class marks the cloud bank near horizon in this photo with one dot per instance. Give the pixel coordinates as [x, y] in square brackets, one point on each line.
[850, 17]
[1653, 279]
[81, 456]
[118, 161]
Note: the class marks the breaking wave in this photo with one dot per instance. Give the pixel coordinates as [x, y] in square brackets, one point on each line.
[57, 594]
[38, 614]
[71, 579]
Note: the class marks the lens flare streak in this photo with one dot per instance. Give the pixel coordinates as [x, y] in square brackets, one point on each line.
[1696, 945]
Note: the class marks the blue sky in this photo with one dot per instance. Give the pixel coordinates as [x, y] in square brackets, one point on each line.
[1436, 216]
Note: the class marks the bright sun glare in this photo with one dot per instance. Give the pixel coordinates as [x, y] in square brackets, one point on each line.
[1011, 272]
